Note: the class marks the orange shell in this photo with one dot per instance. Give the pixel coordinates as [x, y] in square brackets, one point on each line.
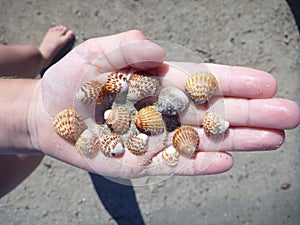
[112, 145]
[88, 144]
[137, 144]
[170, 156]
[91, 93]
[116, 83]
[186, 140]
[118, 120]
[214, 124]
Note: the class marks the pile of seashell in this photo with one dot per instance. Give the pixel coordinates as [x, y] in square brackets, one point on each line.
[140, 108]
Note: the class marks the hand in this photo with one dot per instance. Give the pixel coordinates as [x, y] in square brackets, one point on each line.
[257, 120]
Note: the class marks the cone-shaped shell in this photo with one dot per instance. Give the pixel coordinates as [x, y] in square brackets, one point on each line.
[186, 140]
[142, 85]
[214, 124]
[91, 93]
[149, 121]
[170, 156]
[112, 145]
[137, 144]
[118, 120]
[88, 144]
[201, 86]
[116, 83]
[68, 124]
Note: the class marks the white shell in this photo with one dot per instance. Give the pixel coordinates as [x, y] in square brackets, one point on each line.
[88, 144]
[116, 83]
[91, 93]
[170, 156]
[214, 124]
[112, 145]
[137, 144]
[118, 119]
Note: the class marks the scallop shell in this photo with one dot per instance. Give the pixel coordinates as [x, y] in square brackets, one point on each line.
[186, 140]
[112, 145]
[68, 124]
[137, 144]
[116, 83]
[91, 93]
[88, 144]
[214, 124]
[170, 156]
[172, 100]
[149, 121]
[118, 120]
[141, 85]
[201, 86]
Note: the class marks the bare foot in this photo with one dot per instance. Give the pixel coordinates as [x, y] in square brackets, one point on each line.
[54, 40]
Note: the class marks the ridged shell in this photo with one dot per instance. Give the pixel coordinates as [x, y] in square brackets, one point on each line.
[201, 86]
[214, 124]
[91, 93]
[149, 121]
[186, 140]
[118, 120]
[137, 144]
[170, 156]
[68, 124]
[116, 83]
[88, 144]
[112, 145]
[172, 100]
[142, 85]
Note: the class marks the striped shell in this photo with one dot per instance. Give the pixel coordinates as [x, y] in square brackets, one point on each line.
[142, 85]
[201, 86]
[137, 144]
[186, 140]
[116, 83]
[170, 156]
[91, 93]
[88, 144]
[68, 124]
[118, 120]
[149, 121]
[214, 124]
[112, 145]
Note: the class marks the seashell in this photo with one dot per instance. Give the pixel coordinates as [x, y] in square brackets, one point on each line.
[141, 85]
[170, 156]
[149, 121]
[186, 140]
[118, 120]
[112, 145]
[172, 100]
[214, 124]
[201, 86]
[88, 144]
[116, 83]
[68, 124]
[137, 144]
[91, 93]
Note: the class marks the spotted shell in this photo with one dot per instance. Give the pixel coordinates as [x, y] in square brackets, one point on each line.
[68, 124]
[112, 145]
[91, 93]
[186, 140]
[116, 83]
[214, 124]
[170, 156]
[149, 121]
[88, 144]
[142, 85]
[118, 120]
[172, 100]
[201, 86]
[137, 144]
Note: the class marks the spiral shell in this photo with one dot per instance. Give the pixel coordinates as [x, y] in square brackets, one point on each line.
[116, 83]
[170, 156]
[68, 124]
[201, 86]
[141, 85]
[137, 144]
[112, 145]
[88, 144]
[91, 93]
[118, 120]
[186, 140]
[172, 100]
[214, 124]
[149, 121]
